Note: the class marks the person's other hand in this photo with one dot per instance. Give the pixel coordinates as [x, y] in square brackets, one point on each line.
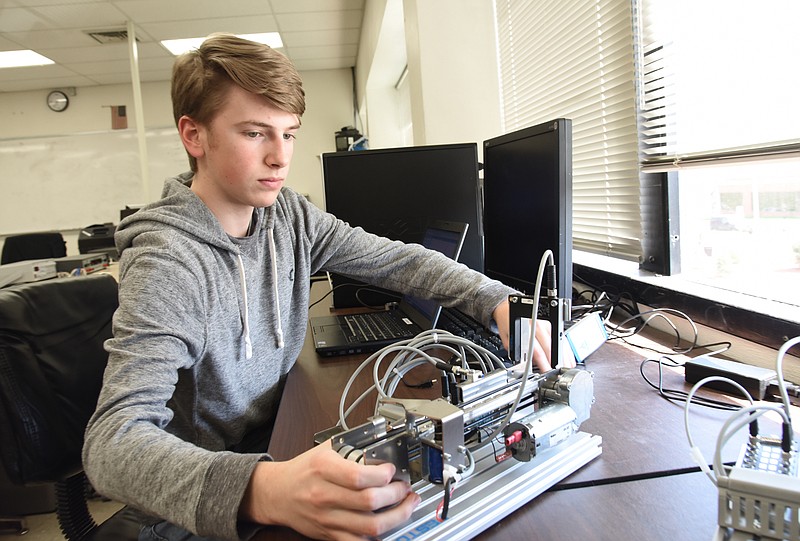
[324, 496]
[541, 344]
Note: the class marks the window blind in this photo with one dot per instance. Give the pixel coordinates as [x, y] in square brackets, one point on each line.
[718, 82]
[575, 60]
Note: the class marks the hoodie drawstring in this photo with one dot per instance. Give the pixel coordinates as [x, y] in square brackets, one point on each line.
[274, 260]
[248, 344]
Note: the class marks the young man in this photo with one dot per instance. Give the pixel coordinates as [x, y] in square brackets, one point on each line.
[213, 312]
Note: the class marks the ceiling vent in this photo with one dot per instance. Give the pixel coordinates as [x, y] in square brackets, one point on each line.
[109, 36]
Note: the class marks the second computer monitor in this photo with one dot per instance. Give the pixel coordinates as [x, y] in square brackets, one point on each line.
[527, 198]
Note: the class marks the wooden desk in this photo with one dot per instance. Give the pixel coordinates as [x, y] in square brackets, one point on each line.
[643, 486]
[681, 507]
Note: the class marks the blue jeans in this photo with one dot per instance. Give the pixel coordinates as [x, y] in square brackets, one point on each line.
[166, 531]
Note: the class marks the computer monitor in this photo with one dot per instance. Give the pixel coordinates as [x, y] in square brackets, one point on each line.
[398, 192]
[527, 197]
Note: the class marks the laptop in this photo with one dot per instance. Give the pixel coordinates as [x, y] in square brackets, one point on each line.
[347, 334]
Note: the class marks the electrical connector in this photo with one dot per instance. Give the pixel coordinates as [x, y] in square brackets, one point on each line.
[450, 472]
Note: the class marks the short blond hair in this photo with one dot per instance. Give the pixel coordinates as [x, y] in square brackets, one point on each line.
[202, 77]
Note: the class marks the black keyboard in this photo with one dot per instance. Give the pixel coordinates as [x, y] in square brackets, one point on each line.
[377, 326]
[460, 324]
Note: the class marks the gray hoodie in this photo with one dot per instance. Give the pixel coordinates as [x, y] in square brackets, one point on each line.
[207, 330]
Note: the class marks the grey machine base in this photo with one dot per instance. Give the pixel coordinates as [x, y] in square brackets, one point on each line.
[493, 491]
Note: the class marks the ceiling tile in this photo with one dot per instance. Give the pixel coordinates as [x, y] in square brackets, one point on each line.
[51, 39]
[19, 19]
[153, 49]
[294, 6]
[82, 15]
[204, 27]
[97, 68]
[324, 64]
[322, 37]
[113, 78]
[94, 53]
[34, 72]
[144, 11]
[7, 44]
[328, 20]
[50, 82]
[336, 51]
[36, 3]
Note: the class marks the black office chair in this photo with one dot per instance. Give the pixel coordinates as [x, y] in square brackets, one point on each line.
[33, 246]
[51, 368]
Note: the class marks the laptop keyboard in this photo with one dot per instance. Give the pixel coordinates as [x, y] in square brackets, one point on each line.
[382, 326]
[460, 324]
[376, 326]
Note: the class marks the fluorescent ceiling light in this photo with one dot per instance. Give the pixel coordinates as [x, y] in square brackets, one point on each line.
[20, 59]
[180, 46]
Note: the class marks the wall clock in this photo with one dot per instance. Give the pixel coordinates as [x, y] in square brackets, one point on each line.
[57, 101]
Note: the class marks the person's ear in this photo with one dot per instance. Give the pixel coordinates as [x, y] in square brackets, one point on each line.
[192, 135]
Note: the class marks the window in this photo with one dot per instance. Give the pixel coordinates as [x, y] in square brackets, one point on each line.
[575, 60]
[719, 105]
[703, 94]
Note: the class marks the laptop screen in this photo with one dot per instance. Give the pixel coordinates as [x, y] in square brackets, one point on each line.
[447, 238]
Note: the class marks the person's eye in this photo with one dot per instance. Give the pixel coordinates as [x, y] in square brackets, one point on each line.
[253, 134]
[289, 136]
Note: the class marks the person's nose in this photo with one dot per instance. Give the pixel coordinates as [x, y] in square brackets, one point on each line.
[279, 155]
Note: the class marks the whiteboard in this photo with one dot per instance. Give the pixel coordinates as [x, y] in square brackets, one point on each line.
[71, 181]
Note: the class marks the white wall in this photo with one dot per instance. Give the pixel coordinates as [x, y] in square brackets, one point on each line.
[25, 116]
[452, 63]
[329, 106]
[386, 118]
[452, 79]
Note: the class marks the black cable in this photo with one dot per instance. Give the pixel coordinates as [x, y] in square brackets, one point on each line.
[614, 295]
[679, 396]
[361, 290]
[358, 292]
[427, 384]
[626, 303]
[446, 500]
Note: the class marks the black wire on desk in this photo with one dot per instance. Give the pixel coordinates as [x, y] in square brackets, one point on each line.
[606, 302]
[726, 347]
[678, 395]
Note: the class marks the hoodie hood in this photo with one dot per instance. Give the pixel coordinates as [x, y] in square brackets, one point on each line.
[182, 211]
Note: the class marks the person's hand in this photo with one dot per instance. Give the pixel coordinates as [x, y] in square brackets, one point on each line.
[324, 496]
[542, 337]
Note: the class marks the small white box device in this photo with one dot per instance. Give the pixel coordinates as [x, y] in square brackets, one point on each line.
[27, 271]
[586, 335]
